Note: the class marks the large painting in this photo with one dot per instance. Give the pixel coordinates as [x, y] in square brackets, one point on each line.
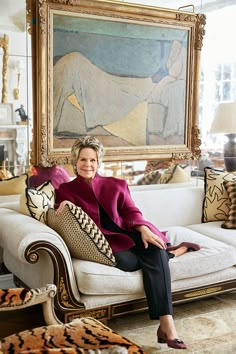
[127, 74]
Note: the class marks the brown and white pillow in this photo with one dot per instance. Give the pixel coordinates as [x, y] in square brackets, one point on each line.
[175, 174]
[150, 178]
[81, 235]
[216, 202]
[230, 222]
[35, 202]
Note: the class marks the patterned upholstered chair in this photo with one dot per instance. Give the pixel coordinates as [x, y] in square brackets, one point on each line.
[20, 298]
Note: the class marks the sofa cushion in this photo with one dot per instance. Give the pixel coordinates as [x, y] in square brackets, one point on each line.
[35, 202]
[214, 230]
[14, 185]
[81, 235]
[230, 222]
[213, 256]
[216, 201]
[165, 207]
[100, 279]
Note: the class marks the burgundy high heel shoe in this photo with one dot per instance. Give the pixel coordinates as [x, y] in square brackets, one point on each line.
[190, 246]
[172, 343]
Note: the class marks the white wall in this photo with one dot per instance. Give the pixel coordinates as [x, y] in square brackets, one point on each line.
[13, 24]
[19, 51]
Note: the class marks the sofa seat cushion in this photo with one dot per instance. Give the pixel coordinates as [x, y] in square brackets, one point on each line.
[213, 230]
[99, 279]
[212, 257]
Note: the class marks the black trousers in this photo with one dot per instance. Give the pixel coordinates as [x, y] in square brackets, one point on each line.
[154, 263]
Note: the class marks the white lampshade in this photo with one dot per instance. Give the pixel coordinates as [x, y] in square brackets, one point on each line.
[224, 118]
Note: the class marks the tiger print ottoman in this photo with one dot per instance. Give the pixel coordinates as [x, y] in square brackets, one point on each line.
[84, 335]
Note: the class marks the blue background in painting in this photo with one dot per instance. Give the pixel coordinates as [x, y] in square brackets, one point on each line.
[118, 48]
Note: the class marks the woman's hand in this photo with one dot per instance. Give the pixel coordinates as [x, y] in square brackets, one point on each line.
[61, 206]
[149, 237]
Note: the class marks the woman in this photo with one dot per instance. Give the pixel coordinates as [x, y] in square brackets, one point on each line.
[135, 242]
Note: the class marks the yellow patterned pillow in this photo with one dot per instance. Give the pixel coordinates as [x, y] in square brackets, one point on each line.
[230, 222]
[216, 202]
[14, 185]
[81, 235]
[175, 174]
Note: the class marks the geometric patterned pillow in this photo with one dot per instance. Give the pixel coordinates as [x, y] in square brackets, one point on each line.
[81, 335]
[175, 174]
[230, 222]
[216, 202]
[149, 178]
[81, 235]
[35, 202]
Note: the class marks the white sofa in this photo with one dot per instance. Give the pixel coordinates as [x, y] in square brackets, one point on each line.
[37, 255]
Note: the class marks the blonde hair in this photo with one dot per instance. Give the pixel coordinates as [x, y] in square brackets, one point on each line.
[87, 142]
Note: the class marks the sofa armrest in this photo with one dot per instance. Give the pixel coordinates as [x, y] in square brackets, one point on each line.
[24, 238]
[66, 296]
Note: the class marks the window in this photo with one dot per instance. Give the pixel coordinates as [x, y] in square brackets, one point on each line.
[218, 74]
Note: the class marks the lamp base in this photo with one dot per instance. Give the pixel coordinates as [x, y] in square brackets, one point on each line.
[230, 153]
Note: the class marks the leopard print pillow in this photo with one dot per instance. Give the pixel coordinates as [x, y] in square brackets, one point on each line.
[84, 335]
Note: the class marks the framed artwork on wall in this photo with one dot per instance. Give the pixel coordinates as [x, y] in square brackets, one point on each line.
[125, 73]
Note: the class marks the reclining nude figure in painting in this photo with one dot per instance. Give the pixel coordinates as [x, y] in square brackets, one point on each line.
[85, 95]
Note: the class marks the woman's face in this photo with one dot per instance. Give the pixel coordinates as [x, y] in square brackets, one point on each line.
[87, 163]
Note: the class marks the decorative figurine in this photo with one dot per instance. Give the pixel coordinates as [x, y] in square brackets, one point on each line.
[22, 113]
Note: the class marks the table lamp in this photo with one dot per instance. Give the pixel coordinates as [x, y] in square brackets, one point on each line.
[224, 122]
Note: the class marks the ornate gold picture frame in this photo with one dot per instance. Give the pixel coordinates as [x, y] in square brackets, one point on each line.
[125, 73]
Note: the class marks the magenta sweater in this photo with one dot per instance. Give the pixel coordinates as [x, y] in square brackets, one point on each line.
[113, 195]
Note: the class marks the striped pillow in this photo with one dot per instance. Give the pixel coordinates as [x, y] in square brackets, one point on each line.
[230, 222]
[81, 235]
